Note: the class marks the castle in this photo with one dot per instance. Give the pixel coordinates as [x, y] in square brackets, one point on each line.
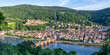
[34, 22]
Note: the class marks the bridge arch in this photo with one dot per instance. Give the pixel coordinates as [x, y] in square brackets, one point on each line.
[44, 43]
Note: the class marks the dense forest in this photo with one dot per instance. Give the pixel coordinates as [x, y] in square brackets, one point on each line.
[39, 12]
[1, 20]
[60, 9]
[98, 16]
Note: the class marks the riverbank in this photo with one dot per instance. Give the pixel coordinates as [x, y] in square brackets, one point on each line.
[79, 43]
[30, 39]
[33, 39]
[9, 36]
[67, 42]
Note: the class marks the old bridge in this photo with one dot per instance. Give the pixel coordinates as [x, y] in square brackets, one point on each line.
[44, 42]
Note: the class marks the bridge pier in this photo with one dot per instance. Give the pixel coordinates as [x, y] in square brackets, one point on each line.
[41, 44]
[48, 42]
[37, 45]
[44, 43]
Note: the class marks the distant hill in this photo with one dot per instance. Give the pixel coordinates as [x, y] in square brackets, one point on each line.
[60, 9]
[42, 13]
[97, 16]
[56, 13]
[101, 16]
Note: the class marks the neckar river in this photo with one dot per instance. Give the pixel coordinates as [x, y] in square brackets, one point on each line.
[81, 50]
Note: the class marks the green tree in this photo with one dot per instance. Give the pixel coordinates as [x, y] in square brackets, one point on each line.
[105, 50]
[60, 51]
[1, 19]
[46, 52]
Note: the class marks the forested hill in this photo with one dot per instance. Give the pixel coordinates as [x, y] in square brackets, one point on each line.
[26, 11]
[40, 12]
[56, 13]
[60, 9]
[98, 16]
[101, 16]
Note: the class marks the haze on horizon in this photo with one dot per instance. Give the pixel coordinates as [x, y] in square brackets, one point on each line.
[74, 4]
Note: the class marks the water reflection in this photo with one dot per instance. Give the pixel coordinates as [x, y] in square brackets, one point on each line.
[80, 49]
[13, 41]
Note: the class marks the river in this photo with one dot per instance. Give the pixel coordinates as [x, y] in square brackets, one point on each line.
[81, 50]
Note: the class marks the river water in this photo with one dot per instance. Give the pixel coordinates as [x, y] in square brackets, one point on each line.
[81, 50]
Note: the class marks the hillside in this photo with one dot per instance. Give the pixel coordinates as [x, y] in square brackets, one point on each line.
[101, 16]
[41, 12]
[27, 11]
[60, 9]
[56, 13]
[97, 16]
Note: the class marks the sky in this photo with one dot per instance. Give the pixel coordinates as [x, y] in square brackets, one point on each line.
[74, 4]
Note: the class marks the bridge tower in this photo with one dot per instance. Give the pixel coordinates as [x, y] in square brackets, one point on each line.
[41, 44]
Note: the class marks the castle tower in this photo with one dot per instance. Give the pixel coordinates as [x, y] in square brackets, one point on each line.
[28, 21]
[69, 29]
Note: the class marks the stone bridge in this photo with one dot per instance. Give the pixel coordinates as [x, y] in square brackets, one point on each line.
[44, 42]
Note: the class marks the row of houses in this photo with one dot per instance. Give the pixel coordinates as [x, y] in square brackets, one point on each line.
[86, 35]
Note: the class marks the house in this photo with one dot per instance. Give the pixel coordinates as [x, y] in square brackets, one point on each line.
[2, 32]
[88, 27]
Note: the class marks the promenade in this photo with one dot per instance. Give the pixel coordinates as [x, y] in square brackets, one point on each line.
[21, 38]
[79, 43]
[9, 36]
